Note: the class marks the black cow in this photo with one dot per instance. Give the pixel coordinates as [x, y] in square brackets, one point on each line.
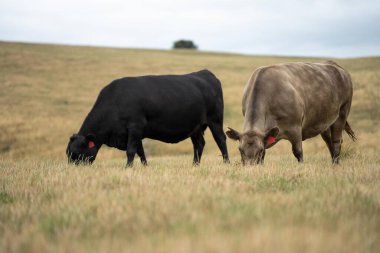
[169, 108]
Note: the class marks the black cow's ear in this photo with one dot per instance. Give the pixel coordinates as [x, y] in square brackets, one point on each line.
[73, 137]
[233, 134]
[90, 137]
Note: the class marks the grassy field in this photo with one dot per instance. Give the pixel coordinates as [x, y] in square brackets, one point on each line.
[170, 206]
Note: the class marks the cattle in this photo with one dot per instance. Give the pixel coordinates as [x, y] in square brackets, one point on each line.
[294, 102]
[168, 108]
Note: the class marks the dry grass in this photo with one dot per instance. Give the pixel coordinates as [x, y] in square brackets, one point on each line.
[46, 205]
[173, 207]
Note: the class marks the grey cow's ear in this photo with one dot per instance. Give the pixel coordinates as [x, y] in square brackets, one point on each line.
[233, 134]
[271, 136]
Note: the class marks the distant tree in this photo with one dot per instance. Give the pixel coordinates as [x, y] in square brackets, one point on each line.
[184, 44]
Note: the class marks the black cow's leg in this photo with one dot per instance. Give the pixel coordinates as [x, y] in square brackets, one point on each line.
[326, 136]
[220, 139]
[198, 145]
[140, 152]
[134, 138]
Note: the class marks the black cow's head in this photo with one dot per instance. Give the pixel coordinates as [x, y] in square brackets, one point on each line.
[252, 144]
[81, 149]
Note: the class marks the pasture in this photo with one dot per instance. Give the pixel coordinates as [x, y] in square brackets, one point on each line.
[171, 206]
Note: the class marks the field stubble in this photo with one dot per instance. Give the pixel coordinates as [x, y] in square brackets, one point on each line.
[171, 206]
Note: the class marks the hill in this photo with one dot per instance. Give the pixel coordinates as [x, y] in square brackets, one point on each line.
[47, 90]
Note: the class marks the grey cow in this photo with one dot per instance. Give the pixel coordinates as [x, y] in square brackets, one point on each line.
[295, 102]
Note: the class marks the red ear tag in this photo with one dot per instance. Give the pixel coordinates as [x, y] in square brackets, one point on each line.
[271, 140]
[91, 144]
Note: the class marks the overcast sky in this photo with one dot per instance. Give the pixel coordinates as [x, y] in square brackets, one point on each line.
[325, 28]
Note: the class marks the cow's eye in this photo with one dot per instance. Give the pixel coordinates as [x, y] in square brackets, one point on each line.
[83, 145]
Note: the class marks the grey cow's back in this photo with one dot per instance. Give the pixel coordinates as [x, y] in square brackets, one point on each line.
[309, 94]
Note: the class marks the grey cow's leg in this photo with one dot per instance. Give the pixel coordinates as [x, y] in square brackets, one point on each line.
[336, 137]
[297, 151]
[326, 136]
[336, 132]
[296, 140]
[198, 145]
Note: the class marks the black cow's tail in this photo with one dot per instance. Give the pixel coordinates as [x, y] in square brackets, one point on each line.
[349, 131]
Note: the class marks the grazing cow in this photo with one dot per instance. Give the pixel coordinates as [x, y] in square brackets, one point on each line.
[168, 108]
[295, 102]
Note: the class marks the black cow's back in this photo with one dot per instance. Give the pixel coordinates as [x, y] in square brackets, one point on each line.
[169, 108]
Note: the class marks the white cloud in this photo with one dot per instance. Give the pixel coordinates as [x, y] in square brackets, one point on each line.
[317, 28]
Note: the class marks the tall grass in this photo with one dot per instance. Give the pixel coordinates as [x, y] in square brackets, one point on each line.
[171, 206]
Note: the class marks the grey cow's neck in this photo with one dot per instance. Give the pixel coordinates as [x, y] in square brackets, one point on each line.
[255, 119]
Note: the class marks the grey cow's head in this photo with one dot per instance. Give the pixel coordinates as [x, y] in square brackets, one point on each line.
[252, 144]
[81, 149]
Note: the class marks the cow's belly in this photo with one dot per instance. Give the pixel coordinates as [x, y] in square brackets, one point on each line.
[171, 133]
[315, 126]
[175, 129]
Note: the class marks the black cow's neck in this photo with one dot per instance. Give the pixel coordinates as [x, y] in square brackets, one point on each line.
[101, 126]
[91, 126]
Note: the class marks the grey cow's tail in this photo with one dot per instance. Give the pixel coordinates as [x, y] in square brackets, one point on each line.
[349, 131]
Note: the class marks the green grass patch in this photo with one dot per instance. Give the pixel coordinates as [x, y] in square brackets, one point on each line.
[6, 198]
